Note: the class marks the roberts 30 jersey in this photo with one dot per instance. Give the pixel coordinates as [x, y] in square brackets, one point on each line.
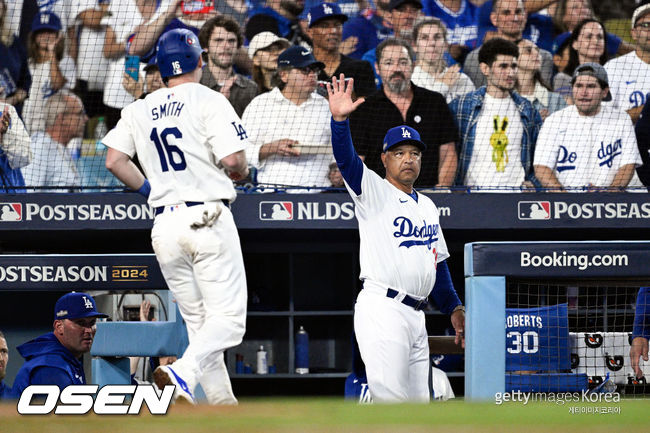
[180, 134]
[401, 238]
[537, 339]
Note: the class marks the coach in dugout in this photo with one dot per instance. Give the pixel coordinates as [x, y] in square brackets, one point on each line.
[56, 357]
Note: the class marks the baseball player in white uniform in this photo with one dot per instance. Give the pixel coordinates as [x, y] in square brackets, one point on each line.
[402, 256]
[189, 140]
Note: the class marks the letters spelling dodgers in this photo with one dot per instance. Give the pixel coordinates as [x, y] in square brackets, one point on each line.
[110, 400]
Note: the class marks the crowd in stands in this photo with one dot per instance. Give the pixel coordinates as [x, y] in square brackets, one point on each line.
[491, 86]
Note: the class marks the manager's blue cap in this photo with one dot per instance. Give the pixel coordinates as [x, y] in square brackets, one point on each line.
[76, 306]
[402, 135]
[298, 57]
[46, 21]
[324, 11]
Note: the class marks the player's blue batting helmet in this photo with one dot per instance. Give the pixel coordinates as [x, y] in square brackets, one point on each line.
[178, 52]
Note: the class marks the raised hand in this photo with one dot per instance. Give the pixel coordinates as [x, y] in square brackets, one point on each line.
[340, 98]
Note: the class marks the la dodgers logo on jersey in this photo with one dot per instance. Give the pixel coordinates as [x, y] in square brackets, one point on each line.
[565, 160]
[426, 234]
[606, 154]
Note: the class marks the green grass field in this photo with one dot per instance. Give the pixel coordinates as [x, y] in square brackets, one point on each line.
[334, 415]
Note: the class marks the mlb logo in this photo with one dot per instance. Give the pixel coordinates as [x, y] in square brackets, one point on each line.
[276, 211]
[534, 210]
[11, 212]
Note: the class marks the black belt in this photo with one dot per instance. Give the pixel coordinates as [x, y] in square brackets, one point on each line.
[160, 209]
[416, 304]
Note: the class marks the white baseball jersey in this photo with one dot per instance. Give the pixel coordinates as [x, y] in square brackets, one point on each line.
[629, 81]
[587, 150]
[180, 134]
[401, 239]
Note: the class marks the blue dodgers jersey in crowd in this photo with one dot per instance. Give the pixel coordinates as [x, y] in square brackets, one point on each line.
[47, 362]
[462, 27]
[537, 339]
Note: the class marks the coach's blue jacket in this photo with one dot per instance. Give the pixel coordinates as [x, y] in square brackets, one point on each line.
[47, 362]
[5, 390]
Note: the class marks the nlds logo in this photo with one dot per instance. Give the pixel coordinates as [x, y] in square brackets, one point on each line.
[11, 212]
[534, 210]
[276, 211]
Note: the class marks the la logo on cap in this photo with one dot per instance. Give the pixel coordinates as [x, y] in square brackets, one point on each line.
[87, 303]
[405, 133]
[327, 10]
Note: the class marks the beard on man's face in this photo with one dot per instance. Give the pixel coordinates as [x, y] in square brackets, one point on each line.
[397, 86]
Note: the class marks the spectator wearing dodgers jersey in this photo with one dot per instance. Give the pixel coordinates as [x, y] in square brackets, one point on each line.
[590, 145]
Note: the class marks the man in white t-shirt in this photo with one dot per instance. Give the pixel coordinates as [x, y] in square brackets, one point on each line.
[629, 75]
[52, 164]
[288, 128]
[588, 145]
[498, 127]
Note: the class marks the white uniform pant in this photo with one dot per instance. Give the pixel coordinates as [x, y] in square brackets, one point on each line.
[394, 346]
[204, 269]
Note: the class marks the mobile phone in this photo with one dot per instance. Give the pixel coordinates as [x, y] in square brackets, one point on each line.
[190, 7]
[132, 66]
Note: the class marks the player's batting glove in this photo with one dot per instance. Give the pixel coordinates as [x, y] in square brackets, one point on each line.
[145, 189]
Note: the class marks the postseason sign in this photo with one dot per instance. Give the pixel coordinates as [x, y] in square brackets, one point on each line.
[73, 272]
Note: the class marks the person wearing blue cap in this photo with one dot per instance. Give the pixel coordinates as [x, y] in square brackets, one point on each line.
[45, 51]
[325, 23]
[285, 151]
[402, 256]
[55, 358]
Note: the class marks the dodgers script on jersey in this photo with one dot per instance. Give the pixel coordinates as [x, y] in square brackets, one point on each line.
[173, 128]
[537, 339]
[401, 239]
[587, 150]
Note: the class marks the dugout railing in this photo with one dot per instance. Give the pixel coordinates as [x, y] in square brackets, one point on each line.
[491, 268]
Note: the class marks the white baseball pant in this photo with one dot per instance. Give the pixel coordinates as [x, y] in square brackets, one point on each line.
[204, 269]
[394, 346]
